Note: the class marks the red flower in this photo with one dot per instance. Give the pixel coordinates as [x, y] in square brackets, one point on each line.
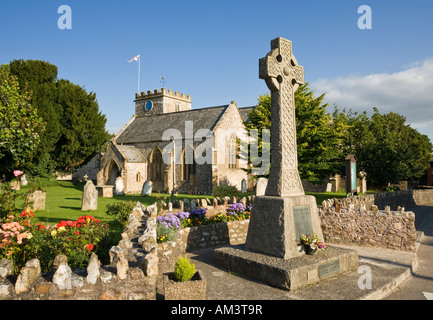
[77, 233]
[90, 246]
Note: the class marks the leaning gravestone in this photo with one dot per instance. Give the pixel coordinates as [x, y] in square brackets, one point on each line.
[280, 216]
[147, 188]
[119, 186]
[90, 197]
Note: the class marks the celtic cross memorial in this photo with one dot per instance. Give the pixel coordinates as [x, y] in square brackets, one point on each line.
[284, 213]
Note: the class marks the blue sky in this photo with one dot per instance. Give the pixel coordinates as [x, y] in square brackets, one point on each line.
[210, 50]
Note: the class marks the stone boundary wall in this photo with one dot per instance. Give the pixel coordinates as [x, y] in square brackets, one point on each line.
[378, 228]
[199, 237]
[406, 199]
[131, 274]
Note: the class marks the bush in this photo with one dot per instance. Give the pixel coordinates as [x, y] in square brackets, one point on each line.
[225, 190]
[120, 210]
[184, 270]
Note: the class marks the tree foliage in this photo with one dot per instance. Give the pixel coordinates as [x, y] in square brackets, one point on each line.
[75, 126]
[20, 125]
[386, 147]
[319, 138]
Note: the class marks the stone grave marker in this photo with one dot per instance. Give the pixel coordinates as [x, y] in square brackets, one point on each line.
[261, 185]
[243, 186]
[90, 197]
[147, 188]
[119, 186]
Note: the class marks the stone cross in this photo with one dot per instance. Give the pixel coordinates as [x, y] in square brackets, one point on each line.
[283, 76]
[86, 177]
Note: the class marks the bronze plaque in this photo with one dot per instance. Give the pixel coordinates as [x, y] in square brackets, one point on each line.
[302, 218]
[328, 268]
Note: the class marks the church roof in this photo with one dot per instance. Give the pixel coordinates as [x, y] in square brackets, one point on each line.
[151, 128]
[131, 153]
[245, 113]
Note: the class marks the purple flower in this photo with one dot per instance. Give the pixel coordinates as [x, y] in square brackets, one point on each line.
[183, 215]
[169, 220]
[199, 212]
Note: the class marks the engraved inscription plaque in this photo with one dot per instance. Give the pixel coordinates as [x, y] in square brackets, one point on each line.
[302, 218]
[326, 269]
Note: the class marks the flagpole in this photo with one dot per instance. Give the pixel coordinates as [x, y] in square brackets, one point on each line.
[139, 58]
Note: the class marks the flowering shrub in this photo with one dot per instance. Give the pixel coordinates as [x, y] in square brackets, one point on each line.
[21, 240]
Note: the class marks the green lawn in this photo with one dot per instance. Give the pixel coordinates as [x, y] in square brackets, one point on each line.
[64, 202]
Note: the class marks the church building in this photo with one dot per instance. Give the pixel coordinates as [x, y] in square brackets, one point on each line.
[205, 151]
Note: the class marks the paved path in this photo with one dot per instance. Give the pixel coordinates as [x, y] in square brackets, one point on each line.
[419, 285]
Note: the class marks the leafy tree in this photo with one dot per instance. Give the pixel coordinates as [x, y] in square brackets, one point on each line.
[319, 137]
[20, 125]
[75, 127]
[386, 147]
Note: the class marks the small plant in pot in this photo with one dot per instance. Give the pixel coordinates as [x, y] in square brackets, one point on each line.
[311, 243]
[185, 283]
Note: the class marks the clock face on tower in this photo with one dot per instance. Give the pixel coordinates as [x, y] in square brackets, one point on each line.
[148, 106]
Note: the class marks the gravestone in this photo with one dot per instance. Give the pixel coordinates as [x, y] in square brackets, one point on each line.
[284, 212]
[90, 197]
[279, 217]
[147, 188]
[261, 185]
[243, 186]
[119, 186]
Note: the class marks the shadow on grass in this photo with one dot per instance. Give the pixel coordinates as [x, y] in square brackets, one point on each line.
[72, 208]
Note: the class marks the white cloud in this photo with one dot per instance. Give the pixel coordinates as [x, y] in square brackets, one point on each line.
[408, 92]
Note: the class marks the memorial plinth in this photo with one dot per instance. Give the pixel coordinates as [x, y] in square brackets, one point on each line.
[287, 274]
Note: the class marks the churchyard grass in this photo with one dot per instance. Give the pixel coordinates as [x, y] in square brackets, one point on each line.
[63, 201]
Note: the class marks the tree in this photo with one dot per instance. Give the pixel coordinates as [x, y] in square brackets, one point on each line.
[319, 137]
[75, 127]
[20, 125]
[386, 147]
[83, 125]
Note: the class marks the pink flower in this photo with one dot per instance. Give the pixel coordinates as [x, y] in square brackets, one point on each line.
[17, 173]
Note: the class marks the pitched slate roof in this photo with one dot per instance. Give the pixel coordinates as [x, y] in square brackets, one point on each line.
[131, 153]
[151, 128]
[245, 112]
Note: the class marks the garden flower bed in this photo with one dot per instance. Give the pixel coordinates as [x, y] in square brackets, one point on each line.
[23, 240]
[168, 224]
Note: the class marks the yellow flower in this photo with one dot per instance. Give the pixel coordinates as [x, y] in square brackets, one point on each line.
[62, 228]
[53, 233]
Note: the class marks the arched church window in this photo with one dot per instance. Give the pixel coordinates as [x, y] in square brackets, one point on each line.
[188, 163]
[156, 165]
[232, 152]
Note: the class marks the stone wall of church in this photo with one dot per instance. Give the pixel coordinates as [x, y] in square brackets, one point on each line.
[134, 176]
[230, 124]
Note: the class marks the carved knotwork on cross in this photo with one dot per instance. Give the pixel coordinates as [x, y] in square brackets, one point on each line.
[283, 76]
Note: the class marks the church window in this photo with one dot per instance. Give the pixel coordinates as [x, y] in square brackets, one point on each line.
[188, 164]
[233, 151]
[156, 165]
[138, 177]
